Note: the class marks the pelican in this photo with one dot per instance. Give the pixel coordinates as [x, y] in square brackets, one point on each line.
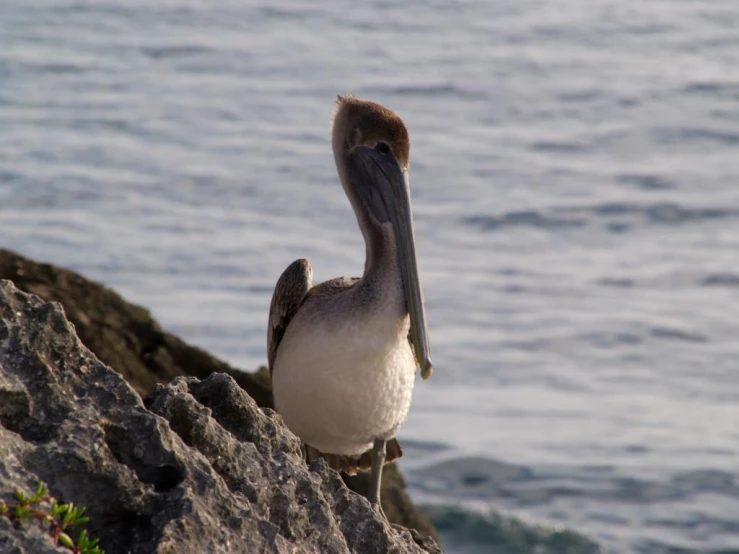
[343, 354]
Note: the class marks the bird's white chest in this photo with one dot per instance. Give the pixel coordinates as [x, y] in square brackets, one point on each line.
[340, 384]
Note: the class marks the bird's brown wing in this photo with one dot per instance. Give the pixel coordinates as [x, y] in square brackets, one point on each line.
[290, 290]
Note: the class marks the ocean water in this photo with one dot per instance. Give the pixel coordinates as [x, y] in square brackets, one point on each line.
[574, 173]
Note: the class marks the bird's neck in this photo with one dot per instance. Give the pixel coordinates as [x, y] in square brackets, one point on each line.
[381, 280]
[381, 275]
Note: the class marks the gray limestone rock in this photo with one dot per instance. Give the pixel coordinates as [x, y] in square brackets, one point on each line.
[125, 337]
[197, 468]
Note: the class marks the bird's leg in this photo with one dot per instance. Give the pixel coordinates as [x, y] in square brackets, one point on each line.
[378, 460]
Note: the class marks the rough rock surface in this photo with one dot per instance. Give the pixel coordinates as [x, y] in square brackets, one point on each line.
[126, 337]
[121, 334]
[199, 468]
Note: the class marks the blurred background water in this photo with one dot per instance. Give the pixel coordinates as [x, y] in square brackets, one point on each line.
[574, 168]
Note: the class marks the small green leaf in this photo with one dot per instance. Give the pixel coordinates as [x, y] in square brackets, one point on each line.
[56, 509]
[41, 492]
[81, 521]
[21, 511]
[79, 518]
[66, 540]
[19, 495]
[70, 515]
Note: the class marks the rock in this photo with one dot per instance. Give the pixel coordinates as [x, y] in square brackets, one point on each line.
[126, 338]
[121, 334]
[29, 538]
[197, 468]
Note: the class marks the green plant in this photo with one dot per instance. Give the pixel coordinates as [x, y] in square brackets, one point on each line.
[58, 518]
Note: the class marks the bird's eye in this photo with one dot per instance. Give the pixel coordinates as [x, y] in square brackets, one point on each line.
[383, 147]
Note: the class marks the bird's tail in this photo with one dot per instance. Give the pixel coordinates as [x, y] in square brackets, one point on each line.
[351, 465]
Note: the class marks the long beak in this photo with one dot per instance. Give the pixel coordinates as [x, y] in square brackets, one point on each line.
[385, 188]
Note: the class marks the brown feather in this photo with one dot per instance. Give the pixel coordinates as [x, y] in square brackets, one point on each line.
[353, 465]
[365, 122]
[331, 287]
[290, 291]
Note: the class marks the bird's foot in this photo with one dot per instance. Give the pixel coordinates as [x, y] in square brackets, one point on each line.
[379, 511]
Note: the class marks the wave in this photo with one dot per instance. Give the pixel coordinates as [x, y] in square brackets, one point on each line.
[477, 532]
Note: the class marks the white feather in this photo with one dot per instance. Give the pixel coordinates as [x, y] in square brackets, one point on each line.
[339, 385]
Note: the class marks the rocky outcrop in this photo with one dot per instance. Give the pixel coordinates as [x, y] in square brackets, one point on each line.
[125, 337]
[198, 467]
[121, 334]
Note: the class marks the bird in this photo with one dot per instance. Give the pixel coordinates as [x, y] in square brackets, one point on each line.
[343, 354]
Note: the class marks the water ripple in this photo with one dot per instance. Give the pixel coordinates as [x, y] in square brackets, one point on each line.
[647, 181]
[721, 280]
[610, 215]
[521, 219]
[679, 135]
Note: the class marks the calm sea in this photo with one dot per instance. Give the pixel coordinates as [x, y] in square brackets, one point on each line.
[574, 174]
